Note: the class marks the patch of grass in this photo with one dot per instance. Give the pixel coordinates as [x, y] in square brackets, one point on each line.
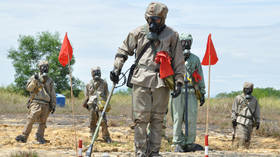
[24, 154]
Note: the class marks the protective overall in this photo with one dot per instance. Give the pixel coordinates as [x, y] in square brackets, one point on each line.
[96, 96]
[42, 102]
[178, 107]
[150, 93]
[245, 115]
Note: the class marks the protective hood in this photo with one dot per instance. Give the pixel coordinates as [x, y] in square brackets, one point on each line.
[156, 9]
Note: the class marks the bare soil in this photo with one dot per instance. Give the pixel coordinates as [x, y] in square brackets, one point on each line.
[60, 137]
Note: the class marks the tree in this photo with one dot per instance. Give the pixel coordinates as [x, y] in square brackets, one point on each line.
[31, 49]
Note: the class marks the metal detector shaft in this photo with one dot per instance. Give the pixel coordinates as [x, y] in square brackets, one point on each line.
[186, 108]
[89, 151]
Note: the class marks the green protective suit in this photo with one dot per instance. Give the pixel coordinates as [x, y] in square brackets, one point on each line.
[178, 104]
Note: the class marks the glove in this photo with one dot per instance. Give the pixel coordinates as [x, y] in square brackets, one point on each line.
[257, 125]
[52, 110]
[177, 90]
[234, 123]
[114, 76]
[202, 100]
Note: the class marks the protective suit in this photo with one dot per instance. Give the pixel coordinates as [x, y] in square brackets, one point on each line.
[245, 115]
[178, 107]
[42, 101]
[96, 96]
[150, 93]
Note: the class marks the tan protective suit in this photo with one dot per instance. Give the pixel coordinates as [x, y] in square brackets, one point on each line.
[246, 118]
[43, 99]
[150, 94]
[97, 89]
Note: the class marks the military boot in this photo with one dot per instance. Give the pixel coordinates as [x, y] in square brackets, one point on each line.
[155, 154]
[140, 154]
[107, 139]
[40, 139]
[21, 138]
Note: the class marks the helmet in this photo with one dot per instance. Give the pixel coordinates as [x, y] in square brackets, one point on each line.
[248, 85]
[43, 62]
[156, 9]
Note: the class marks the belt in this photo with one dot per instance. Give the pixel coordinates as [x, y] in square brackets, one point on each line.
[245, 116]
[148, 67]
[39, 100]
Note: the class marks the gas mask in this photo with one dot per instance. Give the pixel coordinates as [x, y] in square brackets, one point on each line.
[247, 92]
[155, 27]
[44, 69]
[96, 74]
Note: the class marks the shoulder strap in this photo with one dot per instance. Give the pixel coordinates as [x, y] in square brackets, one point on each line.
[244, 101]
[142, 52]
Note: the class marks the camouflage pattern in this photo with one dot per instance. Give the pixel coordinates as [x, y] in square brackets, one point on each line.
[150, 94]
[246, 112]
[43, 100]
[178, 104]
[97, 88]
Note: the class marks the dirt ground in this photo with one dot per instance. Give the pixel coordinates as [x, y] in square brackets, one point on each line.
[61, 139]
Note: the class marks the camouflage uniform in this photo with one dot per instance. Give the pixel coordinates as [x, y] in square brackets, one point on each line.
[42, 102]
[178, 106]
[246, 112]
[150, 94]
[97, 89]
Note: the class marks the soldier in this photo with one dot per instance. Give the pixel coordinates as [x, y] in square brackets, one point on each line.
[42, 102]
[245, 115]
[150, 92]
[196, 91]
[96, 96]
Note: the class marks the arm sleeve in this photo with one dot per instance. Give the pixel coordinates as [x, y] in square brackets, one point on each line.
[178, 60]
[201, 82]
[53, 95]
[234, 109]
[32, 83]
[257, 112]
[127, 48]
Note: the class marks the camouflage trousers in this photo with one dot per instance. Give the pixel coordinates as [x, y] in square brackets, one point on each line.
[94, 116]
[243, 136]
[149, 107]
[38, 112]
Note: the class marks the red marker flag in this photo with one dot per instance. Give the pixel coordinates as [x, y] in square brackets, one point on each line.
[66, 52]
[210, 50]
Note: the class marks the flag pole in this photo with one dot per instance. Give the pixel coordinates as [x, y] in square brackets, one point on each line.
[72, 104]
[207, 108]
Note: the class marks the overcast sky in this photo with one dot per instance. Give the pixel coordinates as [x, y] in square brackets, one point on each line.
[245, 33]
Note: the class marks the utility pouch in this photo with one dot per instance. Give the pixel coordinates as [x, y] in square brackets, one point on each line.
[128, 83]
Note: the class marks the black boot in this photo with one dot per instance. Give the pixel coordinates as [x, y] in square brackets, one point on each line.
[40, 139]
[155, 154]
[107, 139]
[21, 138]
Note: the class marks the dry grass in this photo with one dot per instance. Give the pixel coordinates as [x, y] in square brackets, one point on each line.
[219, 113]
[24, 154]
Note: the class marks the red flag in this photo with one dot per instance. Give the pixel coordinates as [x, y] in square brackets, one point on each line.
[165, 68]
[210, 50]
[66, 52]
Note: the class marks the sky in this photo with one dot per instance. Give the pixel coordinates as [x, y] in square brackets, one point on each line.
[245, 33]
